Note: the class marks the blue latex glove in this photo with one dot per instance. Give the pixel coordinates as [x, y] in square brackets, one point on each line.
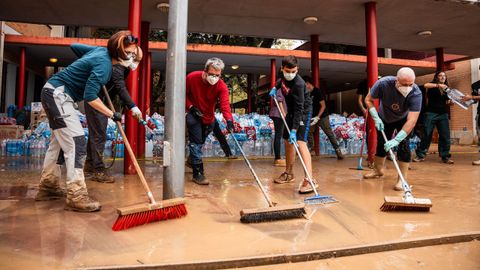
[293, 136]
[395, 141]
[378, 122]
[273, 92]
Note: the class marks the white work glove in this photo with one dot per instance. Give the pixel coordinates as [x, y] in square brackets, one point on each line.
[136, 113]
[314, 120]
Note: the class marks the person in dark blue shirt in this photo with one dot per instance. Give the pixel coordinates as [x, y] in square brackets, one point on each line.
[82, 80]
[400, 104]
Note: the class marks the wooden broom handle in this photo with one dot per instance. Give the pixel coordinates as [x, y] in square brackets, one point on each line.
[130, 151]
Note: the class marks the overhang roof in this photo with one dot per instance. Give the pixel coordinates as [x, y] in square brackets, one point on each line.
[454, 23]
[339, 71]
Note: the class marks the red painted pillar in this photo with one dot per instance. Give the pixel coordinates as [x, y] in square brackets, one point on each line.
[249, 92]
[314, 65]
[143, 85]
[273, 77]
[372, 69]
[440, 59]
[131, 125]
[21, 79]
[148, 89]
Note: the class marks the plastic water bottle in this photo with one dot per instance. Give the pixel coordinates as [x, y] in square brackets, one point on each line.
[149, 149]
[107, 150]
[4, 148]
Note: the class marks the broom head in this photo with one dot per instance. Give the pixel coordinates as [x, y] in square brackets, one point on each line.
[398, 204]
[139, 214]
[272, 213]
[320, 199]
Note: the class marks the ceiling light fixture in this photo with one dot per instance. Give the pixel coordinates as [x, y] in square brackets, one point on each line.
[426, 33]
[163, 7]
[310, 20]
[53, 60]
[235, 66]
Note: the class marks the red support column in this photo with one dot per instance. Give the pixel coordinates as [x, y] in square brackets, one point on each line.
[143, 70]
[372, 69]
[314, 65]
[273, 77]
[148, 89]
[249, 92]
[131, 125]
[440, 60]
[21, 79]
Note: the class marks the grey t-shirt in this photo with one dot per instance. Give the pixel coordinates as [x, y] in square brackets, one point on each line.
[393, 105]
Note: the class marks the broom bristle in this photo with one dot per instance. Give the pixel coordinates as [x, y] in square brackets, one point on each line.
[320, 199]
[398, 204]
[136, 219]
[272, 216]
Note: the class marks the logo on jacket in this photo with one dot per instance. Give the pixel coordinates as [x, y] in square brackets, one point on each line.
[395, 107]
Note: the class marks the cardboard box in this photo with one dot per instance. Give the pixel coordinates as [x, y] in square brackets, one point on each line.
[11, 132]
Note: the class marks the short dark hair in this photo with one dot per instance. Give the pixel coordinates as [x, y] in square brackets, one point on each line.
[289, 61]
[308, 79]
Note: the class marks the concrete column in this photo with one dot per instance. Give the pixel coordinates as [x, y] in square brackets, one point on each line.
[249, 92]
[2, 40]
[148, 89]
[174, 155]
[132, 125]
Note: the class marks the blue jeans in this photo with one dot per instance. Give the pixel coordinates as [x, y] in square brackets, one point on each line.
[432, 120]
[197, 134]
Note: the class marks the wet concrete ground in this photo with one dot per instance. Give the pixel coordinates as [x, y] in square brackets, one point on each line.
[41, 235]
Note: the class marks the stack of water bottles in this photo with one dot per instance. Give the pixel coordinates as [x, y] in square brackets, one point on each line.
[254, 135]
[35, 145]
[348, 132]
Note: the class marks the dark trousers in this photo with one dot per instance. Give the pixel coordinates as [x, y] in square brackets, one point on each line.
[324, 124]
[278, 126]
[217, 132]
[430, 121]
[197, 134]
[97, 136]
[403, 152]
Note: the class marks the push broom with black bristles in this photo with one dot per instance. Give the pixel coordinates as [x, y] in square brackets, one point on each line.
[139, 214]
[272, 212]
[407, 202]
[317, 198]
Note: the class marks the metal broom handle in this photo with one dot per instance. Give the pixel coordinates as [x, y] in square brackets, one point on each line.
[130, 151]
[405, 185]
[296, 148]
[253, 172]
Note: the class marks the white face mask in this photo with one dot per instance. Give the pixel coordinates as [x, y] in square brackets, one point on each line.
[289, 76]
[212, 79]
[404, 90]
[129, 63]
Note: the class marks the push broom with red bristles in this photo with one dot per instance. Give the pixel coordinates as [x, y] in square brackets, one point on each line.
[139, 214]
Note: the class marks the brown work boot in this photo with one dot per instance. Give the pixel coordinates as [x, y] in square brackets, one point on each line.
[78, 199]
[47, 193]
[284, 178]
[198, 176]
[102, 175]
[377, 169]
[305, 187]
[280, 163]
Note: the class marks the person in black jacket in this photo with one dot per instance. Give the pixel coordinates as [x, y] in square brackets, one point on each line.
[299, 107]
[97, 122]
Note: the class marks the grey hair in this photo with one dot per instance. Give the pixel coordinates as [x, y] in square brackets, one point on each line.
[216, 63]
[406, 72]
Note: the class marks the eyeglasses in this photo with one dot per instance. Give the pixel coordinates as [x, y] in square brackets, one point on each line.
[132, 39]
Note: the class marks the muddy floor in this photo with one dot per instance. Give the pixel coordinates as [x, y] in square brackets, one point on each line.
[41, 235]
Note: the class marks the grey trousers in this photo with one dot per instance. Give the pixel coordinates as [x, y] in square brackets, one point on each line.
[324, 124]
[97, 136]
[67, 138]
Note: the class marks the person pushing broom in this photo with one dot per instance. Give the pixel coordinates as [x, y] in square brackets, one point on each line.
[400, 103]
